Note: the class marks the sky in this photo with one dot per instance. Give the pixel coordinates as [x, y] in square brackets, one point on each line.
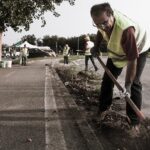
[76, 20]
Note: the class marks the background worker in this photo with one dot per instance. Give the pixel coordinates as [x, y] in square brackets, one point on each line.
[24, 55]
[88, 46]
[127, 45]
[66, 53]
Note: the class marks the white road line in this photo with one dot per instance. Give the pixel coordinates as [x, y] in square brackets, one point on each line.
[54, 136]
[74, 62]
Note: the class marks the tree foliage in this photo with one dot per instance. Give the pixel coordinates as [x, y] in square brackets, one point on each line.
[19, 14]
[50, 41]
[57, 43]
[30, 38]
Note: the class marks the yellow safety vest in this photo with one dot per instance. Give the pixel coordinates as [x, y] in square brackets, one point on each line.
[115, 50]
[66, 51]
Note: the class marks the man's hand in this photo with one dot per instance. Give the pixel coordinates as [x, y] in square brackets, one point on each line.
[124, 93]
[127, 91]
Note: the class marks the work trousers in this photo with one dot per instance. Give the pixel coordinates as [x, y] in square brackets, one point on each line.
[24, 60]
[87, 57]
[106, 93]
[65, 59]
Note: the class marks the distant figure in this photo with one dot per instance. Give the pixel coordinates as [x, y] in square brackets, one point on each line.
[24, 55]
[66, 53]
[4, 53]
[88, 45]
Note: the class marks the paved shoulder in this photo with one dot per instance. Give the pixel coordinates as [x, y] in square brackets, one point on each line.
[70, 129]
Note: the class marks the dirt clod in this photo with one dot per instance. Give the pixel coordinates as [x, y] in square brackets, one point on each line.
[29, 140]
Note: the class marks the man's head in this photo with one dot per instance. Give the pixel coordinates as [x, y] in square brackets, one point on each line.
[102, 15]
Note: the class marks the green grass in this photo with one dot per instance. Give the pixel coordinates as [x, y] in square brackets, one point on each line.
[71, 58]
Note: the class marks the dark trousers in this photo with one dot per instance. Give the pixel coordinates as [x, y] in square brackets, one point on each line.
[107, 86]
[65, 59]
[87, 57]
[24, 60]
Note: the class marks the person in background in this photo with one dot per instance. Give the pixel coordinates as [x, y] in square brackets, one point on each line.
[127, 45]
[88, 46]
[24, 55]
[66, 50]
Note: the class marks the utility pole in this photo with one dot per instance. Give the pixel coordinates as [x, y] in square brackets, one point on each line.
[0, 46]
[78, 44]
[56, 46]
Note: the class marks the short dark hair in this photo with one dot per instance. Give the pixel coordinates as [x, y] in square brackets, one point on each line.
[96, 10]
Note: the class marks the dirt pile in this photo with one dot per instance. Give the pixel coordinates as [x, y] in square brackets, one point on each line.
[113, 131]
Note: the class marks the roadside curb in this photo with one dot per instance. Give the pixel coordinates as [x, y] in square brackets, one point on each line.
[92, 141]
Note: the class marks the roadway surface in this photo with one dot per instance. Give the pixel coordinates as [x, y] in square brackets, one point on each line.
[38, 113]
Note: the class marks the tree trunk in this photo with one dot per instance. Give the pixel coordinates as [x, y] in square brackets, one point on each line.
[1, 45]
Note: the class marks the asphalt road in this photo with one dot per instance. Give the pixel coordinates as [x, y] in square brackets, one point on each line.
[38, 113]
[22, 122]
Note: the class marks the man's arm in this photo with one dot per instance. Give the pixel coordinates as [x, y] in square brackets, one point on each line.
[130, 48]
[97, 43]
[130, 74]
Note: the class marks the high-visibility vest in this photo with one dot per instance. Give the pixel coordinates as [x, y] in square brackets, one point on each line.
[89, 45]
[66, 51]
[24, 51]
[115, 50]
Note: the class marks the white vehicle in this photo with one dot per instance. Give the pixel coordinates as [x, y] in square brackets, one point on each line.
[17, 54]
[52, 53]
[7, 54]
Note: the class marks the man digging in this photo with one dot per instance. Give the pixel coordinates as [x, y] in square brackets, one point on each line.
[127, 45]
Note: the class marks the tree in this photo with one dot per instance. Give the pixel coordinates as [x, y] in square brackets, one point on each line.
[29, 38]
[51, 41]
[19, 14]
[39, 42]
[47, 41]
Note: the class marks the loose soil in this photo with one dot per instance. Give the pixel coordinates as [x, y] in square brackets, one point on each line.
[113, 132]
